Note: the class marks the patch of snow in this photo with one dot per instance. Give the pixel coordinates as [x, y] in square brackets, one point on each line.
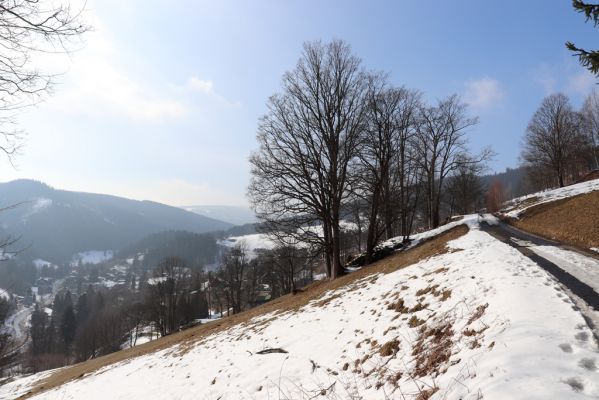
[585, 269]
[155, 281]
[511, 333]
[517, 206]
[39, 264]
[92, 257]
[4, 294]
[253, 243]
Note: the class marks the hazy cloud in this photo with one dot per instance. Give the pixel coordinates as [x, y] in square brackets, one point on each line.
[568, 77]
[482, 94]
[96, 84]
[199, 85]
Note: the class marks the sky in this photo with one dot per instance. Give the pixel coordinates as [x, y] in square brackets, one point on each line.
[161, 101]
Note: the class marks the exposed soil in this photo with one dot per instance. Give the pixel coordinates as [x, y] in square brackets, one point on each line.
[589, 177]
[574, 220]
[429, 248]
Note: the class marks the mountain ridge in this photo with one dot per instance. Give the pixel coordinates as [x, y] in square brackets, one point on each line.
[54, 224]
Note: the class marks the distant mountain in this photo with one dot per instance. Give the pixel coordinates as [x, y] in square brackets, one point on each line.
[235, 215]
[56, 224]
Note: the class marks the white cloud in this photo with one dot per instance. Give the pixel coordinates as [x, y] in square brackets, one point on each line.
[568, 77]
[483, 94]
[199, 85]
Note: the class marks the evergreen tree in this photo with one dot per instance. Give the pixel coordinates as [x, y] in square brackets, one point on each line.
[68, 326]
[37, 330]
[588, 58]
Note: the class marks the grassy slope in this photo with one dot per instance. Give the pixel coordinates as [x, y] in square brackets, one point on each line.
[399, 260]
[574, 220]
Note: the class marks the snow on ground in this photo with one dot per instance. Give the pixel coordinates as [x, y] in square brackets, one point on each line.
[39, 264]
[585, 269]
[479, 322]
[92, 257]
[253, 242]
[4, 294]
[515, 207]
[470, 220]
[261, 241]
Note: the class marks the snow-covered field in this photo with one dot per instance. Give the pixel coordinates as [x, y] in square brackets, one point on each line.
[92, 257]
[515, 207]
[252, 243]
[479, 322]
[260, 241]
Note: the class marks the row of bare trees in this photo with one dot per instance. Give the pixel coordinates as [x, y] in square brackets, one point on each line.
[560, 143]
[243, 281]
[337, 138]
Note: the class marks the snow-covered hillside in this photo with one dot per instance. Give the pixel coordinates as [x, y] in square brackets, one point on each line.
[479, 321]
[517, 206]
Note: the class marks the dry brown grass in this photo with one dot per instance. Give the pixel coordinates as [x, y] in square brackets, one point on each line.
[389, 348]
[432, 349]
[480, 310]
[415, 322]
[288, 303]
[574, 220]
[427, 394]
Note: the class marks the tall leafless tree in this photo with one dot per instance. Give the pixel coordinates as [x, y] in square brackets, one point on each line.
[441, 145]
[170, 282]
[554, 138]
[385, 167]
[308, 138]
[464, 189]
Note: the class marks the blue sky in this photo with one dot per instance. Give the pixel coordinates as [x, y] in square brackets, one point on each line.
[162, 101]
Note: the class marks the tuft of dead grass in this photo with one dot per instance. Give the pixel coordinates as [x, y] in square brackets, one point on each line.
[289, 303]
[415, 322]
[427, 394]
[390, 348]
[480, 310]
[432, 349]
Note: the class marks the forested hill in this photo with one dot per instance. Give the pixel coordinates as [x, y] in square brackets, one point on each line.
[56, 224]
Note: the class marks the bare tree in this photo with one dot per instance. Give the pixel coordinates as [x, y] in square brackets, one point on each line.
[441, 148]
[300, 174]
[28, 27]
[464, 189]
[497, 194]
[233, 271]
[553, 139]
[170, 282]
[384, 171]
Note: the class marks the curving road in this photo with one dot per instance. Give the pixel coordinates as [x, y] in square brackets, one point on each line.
[576, 270]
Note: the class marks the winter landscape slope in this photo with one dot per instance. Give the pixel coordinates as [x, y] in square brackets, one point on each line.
[569, 214]
[55, 224]
[460, 316]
